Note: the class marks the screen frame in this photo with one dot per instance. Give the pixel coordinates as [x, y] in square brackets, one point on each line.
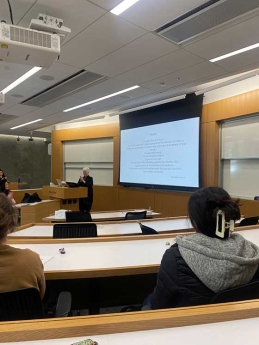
[158, 186]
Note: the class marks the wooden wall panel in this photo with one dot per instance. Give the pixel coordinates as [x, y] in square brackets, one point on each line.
[210, 154]
[116, 159]
[249, 208]
[130, 198]
[105, 198]
[240, 105]
[92, 132]
[171, 204]
[19, 194]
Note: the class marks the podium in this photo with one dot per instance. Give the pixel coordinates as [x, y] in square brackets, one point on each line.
[68, 197]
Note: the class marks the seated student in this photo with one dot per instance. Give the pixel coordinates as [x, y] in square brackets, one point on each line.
[2, 175]
[19, 268]
[4, 188]
[198, 266]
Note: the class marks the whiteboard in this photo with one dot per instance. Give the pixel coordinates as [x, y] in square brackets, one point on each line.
[240, 157]
[240, 138]
[241, 177]
[91, 150]
[97, 154]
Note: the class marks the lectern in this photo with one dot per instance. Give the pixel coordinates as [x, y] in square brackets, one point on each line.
[69, 197]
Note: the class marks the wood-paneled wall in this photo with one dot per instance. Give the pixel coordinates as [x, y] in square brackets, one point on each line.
[236, 106]
[167, 203]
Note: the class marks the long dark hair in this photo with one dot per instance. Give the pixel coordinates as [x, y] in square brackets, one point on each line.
[3, 176]
[2, 186]
[203, 207]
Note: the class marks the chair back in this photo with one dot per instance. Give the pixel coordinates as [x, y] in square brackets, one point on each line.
[136, 215]
[249, 221]
[22, 304]
[77, 216]
[239, 293]
[146, 230]
[74, 230]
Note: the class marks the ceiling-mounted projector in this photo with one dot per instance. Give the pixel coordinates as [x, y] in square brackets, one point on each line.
[50, 24]
[28, 47]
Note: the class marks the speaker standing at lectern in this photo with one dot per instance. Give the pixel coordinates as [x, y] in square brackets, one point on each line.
[85, 204]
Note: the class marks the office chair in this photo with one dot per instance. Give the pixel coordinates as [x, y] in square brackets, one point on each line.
[77, 216]
[146, 230]
[74, 230]
[26, 304]
[239, 293]
[136, 215]
[249, 221]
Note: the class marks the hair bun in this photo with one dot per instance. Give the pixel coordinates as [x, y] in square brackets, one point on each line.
[217, 203]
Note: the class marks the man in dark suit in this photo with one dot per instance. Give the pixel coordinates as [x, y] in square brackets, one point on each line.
[85, 204]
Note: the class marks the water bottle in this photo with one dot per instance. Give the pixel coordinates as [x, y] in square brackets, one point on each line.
[19, 179]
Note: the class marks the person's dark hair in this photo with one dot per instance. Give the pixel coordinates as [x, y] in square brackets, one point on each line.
[2, 186]
[8, 216]
[3, 176]
[203, 207]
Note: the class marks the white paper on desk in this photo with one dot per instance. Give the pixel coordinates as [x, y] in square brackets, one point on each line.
[45, 259]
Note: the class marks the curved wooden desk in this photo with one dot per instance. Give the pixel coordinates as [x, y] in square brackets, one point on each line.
[230, 323]
[123, 228]
[106, 257]
[104, 216]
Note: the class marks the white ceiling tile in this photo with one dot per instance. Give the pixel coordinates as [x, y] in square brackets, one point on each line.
[58, 71]
[167, 64]
[19, 9]
[151, 14]
[19, 90]
[77, 15]
[102, 89]
[101, 38]
[20, 110]
[241, 60]
[10, 72]
[107, 4]
[188, 75]
[226, 41]
[144, 49]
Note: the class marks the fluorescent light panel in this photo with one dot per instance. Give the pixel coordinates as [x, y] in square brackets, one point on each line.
[21, 79]
[102, 98]
[236, 52]
[123, 6]
[25, 124]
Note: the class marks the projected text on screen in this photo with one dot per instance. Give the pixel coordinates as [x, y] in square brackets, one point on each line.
[162, 154]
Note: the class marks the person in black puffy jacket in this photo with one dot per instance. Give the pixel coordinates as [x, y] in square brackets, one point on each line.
[214, 259]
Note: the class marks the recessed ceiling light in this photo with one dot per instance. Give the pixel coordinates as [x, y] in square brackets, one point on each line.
[46, 77]
[236, 52]
[27, 123]
[102, 98]
[21, 79]
[123, 6]
[17, 95]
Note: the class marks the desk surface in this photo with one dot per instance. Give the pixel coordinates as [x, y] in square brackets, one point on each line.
[102, 259]
[101, 216]
[113, 229]
[229, 332]
[31, 204]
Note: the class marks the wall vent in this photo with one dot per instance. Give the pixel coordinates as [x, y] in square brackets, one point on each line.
[204, 18]
[67, 87]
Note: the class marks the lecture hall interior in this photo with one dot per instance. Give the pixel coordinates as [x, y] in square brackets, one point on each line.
[129, 165]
